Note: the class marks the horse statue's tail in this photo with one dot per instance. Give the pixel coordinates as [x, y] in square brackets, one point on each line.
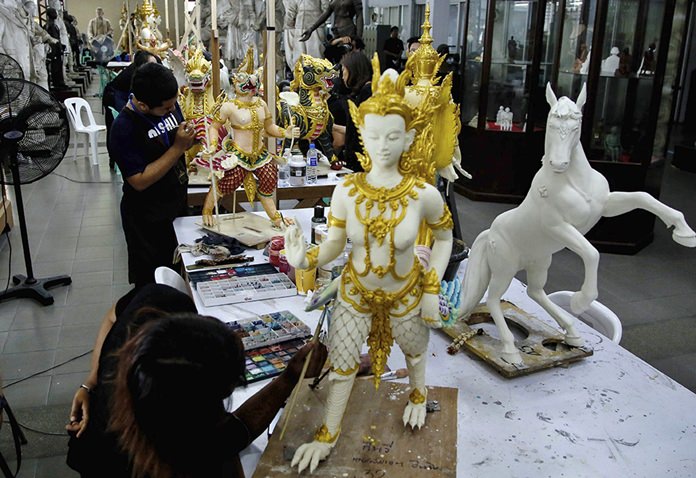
[477, 276]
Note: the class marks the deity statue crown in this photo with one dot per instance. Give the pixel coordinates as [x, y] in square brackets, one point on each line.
[425, 62]
[387, 96]
[146, 9]
[247, 64]
[197, 62]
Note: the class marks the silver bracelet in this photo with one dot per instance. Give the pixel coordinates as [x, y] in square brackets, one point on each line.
[83, 386]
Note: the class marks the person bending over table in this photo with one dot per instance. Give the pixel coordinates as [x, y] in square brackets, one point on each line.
[148, 141]
[153, 402]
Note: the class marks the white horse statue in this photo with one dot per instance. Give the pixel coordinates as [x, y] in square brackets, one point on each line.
[566, 199]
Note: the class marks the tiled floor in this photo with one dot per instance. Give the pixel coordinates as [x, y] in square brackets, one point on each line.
[74, 229]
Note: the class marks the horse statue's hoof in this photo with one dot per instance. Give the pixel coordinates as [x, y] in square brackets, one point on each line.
[513, 358]
[684, 240]
[574, 340]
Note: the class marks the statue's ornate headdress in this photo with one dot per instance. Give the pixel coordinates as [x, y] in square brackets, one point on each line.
[387, 96]
[146, 9]
[246, 78]
[247, 64]
[197, 62]
[425, 62]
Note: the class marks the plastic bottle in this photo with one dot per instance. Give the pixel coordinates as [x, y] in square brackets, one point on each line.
[298, 170]
[317, 220]
[312, 164]
[284, 170]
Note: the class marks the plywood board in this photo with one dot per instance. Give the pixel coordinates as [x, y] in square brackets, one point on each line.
[542, 348]
[248, 228]
[374, 442]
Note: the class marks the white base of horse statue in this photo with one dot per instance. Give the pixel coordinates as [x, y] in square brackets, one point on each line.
[566, 199]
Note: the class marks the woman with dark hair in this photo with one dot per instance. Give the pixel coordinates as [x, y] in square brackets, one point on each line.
[156, 410]
[356, 73]
[172, 379]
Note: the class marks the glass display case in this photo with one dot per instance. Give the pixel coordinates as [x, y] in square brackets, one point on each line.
[618, 48]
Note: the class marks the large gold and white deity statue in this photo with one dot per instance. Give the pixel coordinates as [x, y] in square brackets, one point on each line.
[386, 293]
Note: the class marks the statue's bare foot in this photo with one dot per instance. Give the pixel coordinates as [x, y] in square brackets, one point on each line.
[208, 220]
[414, 414]
[309, 455]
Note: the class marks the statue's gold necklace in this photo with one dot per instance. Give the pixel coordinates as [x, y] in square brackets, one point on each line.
[388, 201]
[254, 125]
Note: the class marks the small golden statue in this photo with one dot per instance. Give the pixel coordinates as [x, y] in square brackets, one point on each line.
[197, 100]
[149, 38]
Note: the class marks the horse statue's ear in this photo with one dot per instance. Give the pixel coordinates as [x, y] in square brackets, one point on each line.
[582, 97]
[550, 95]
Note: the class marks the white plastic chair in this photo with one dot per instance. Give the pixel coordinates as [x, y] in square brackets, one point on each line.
[74, 107]
[165, 275]
[598, 316]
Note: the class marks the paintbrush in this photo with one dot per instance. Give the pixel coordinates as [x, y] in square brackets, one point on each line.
[394, 374]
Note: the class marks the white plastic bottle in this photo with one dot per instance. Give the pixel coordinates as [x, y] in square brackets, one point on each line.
[284, 170]
[312, 164]
[298, 170]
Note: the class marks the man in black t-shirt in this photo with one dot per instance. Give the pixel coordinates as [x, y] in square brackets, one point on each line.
[393, 47]
[148, 141]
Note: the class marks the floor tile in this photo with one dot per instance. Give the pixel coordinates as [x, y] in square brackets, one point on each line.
[78, 359]
[660, 340]
[83, 314]
[29, 393]
[100, 265]
[20, 365]
[28, 468]
[93, 253]
[32, 340]
[79, 335]
[54, 467]
[89, 295]
[33, 315]
[63, 387]
[92, 279]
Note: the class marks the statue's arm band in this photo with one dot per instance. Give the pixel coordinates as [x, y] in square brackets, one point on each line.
[445, 221]
[334, 221]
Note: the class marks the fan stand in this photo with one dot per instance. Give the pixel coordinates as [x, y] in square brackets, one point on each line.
[27, 286]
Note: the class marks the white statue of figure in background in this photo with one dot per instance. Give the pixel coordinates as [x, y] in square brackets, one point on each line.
[566, 199]
[505, 118]
[15, 35]
[385, 292]
[39, 39]
[611, 63]
[252, 14]
[299, 16]
[499, 116]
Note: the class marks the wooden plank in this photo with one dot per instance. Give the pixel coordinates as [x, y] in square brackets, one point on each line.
[541, 347]
[374, 442]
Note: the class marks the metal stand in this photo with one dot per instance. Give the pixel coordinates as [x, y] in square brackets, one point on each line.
[27, 286]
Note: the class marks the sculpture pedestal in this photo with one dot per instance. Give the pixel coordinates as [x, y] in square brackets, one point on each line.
[373, 440]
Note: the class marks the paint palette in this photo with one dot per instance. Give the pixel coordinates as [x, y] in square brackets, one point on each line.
[267, 362]
[269, 329]
[241, 284]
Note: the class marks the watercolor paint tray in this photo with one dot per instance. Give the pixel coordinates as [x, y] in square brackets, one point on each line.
[267, 362]
[269, 329]
[231, 285]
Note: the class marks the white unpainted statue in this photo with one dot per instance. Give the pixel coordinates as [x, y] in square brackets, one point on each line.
[499, 116]
[385, 293]
[566, 199]
[611, 63]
